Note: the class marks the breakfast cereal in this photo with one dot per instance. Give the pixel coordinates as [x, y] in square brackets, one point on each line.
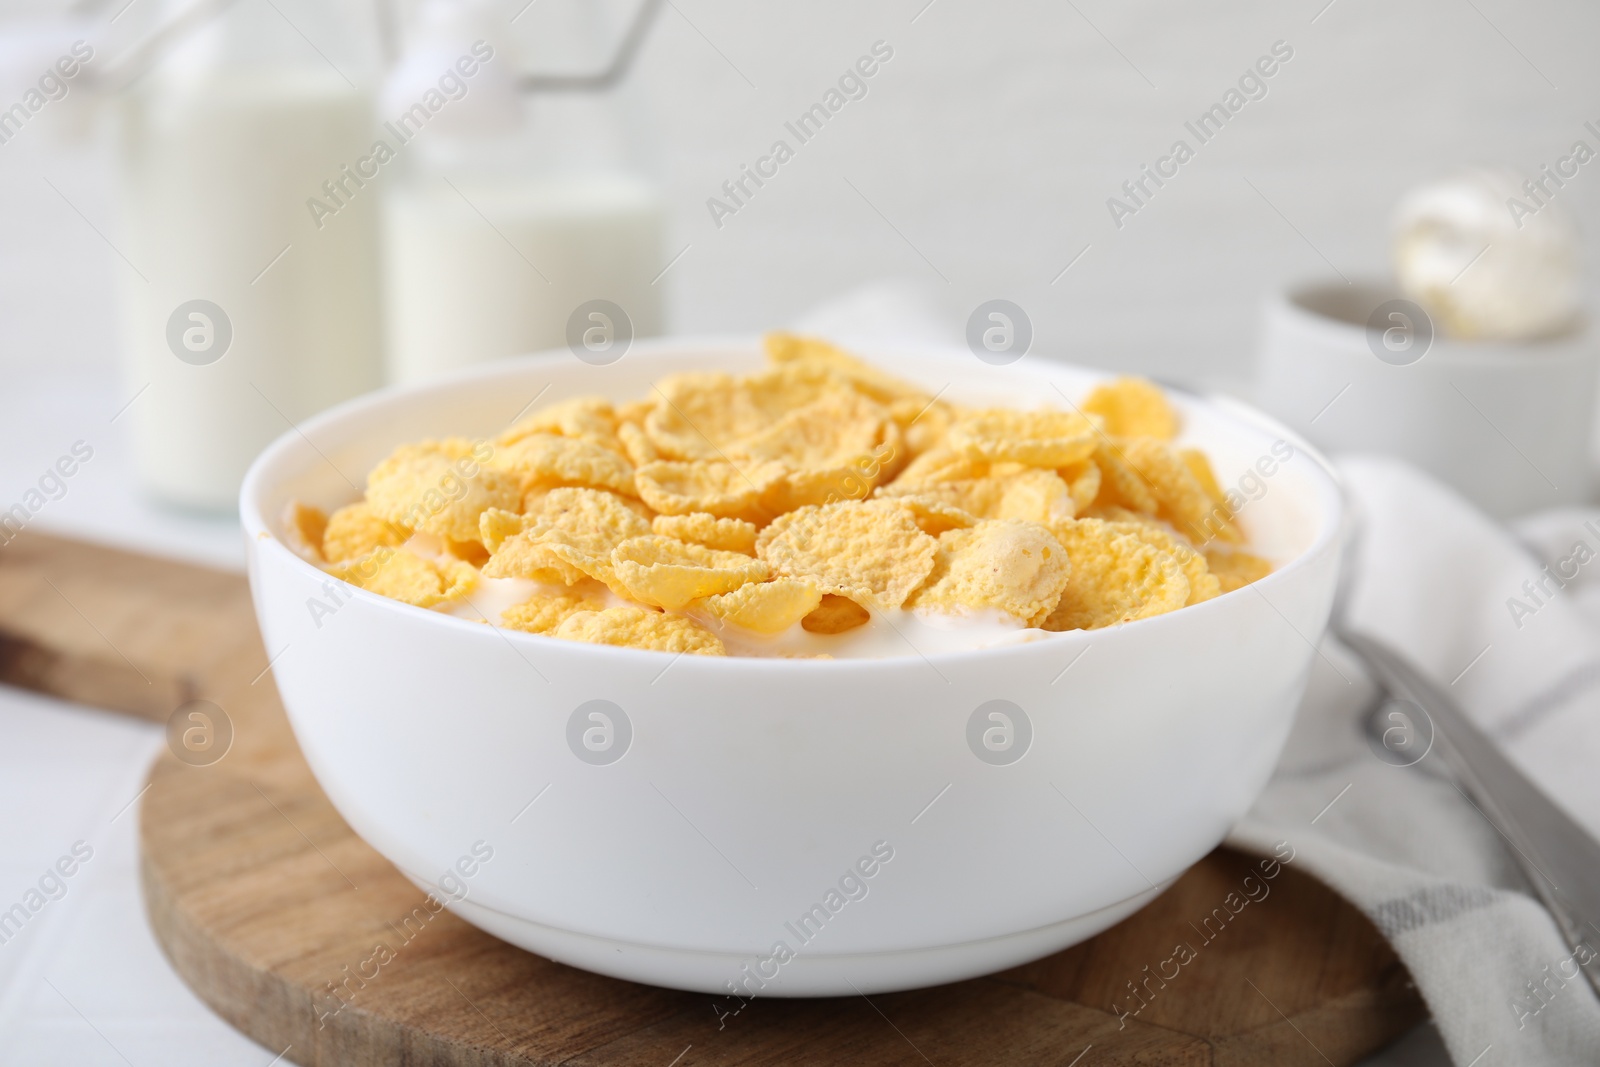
[818, 507]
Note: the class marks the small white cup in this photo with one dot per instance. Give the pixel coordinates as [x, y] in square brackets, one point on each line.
[1357, 368]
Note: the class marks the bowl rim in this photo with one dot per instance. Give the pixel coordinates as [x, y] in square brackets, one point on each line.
[259, 535]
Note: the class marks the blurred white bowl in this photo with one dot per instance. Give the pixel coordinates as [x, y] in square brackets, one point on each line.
[1353, 368]
[750, 788]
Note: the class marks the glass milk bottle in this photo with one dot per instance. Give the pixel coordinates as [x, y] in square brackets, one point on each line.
[518, 217]
[245, 310]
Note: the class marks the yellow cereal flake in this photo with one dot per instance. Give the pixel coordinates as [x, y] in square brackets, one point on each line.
[870, 551]
[669, 573]
[542, 613]
[354, 531]
[1035, 496]
[1115, 578]
[941, 464]
[1121, 484]
[835, 615]
[1016, 567]
[1035, 438]
[837, 447]
[1235, 568]
[640, 628]
[675, 487]
[440, 487]
[1029, 494]
[786, 349]
[544, 460]
[1200, 466]
[1083, 483]
[765, 607]
[467, 552]
[700, 414]
[496, 526]
[1203, 585]
[697, 414]
[569, 538]
[634, 411]
[923, 423]
[407, 577]
[590, 418]
[836, 430]
[702, 528]
[1133, 407]
[636, 445]
[303, 529]
[934, 516]
[575, 507]
[1180, 497]
[557, 563]
[979, 497]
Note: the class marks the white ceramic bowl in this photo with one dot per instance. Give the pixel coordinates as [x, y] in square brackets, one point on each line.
[751, 789]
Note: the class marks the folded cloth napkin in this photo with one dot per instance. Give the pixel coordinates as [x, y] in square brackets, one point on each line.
[1509, 621]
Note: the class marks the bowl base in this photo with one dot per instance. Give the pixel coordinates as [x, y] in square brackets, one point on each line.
[803, 975]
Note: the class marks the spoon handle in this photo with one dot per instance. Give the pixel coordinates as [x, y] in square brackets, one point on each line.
[1559, 857]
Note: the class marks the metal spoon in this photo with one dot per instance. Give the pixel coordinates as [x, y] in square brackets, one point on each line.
[1558, 856]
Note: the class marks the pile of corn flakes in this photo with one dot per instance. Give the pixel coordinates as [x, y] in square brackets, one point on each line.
[817, 492]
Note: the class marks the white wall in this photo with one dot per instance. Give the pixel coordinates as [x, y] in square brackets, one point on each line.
[991, 141]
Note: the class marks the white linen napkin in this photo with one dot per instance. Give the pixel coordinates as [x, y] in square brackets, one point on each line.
[1471, 603]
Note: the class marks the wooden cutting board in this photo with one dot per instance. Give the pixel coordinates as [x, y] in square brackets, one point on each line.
[264, 900]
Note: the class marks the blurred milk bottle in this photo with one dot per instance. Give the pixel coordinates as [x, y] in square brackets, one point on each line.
[516, 213]
[254, 310]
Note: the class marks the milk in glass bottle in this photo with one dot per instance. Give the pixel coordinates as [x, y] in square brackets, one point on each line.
[519, 221]
[250, 308]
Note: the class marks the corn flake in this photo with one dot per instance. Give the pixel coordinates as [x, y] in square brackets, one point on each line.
[1121, 484]
[700, 414]
[870, 551]
[541, 614]
[569, 538]
[1235, 568]
[933, 516]
[407, 577]
[1016, 567]
[1034, 438]
[1179, 495]
[701, 528]
[669, 573]
[765, 607]
[835, 615]
[439, 487]
[785, 349]
[589, 418]
[940, 464]
[675, 487]
[636, 445]
[1115, 578]
[640, 628]
[1083, 484]
[1133, 407]
[354, 531]
[542, 460]
[1203, 585]
[303, 529]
